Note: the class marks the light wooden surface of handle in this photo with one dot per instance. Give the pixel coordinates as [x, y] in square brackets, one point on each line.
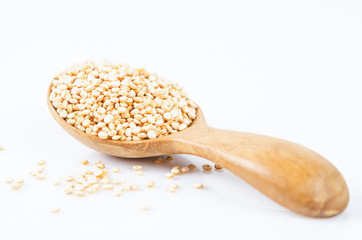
[290, 174]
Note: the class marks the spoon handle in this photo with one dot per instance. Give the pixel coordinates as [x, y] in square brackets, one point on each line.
[290, 174]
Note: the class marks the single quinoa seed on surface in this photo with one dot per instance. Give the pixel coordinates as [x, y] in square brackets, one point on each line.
[191, 166]
[41, 162]
[206, 167]
[169, 158]
[137, 168]
[114, 101]
[158, 161]
[16, 186]
[55, 210]
[198, 185]
[150, 184]
[217, 167]
[40, 176]
[57, 182]
[185, 170]
[9, 180]
[169, 175]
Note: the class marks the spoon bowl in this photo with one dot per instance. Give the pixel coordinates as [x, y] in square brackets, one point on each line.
[290, 174]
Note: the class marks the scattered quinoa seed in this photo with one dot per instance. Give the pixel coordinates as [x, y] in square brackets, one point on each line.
[169, 175]
[55, 210]
[158, 161]
[137, 168]
[169, 158]
[198, 185]
[185, 170]
[171, 189]
[108, 187]
[175, 171]
[40, 176]
[217, 167]
[79, 193]
[16, 186]
[85, 162]
[9, 180]
[191, 166]
[118, 192]
[117, 182]
[68, 190]
[41, 162]
[69, 178]
[116, 170]
[173, 185]
[150, 184]
[207, 167]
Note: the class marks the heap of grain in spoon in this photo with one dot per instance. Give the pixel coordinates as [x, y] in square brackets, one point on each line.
[114, 101]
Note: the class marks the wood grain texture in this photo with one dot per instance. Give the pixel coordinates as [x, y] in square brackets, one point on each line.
[290, 174]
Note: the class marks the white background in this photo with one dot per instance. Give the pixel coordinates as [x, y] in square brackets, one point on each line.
[290, 69]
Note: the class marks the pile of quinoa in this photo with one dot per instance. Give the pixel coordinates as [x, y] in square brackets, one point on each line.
[114, 101]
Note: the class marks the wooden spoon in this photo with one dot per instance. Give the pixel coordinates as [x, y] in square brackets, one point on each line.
[290, 174]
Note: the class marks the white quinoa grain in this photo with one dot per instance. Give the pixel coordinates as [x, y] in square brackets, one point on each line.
[41, 162]
[57, 182]
[217, 167]
[207, 167]
[108, 187]
[69, 178]
[118, 191]
[185, 170]
[135, 187]
[9, 180]
[169, 175]
[108, 118]
[79, 193]
[191, 166]
[40, 176]
[103, 135]
[175, 171]
[55, 210]
[169, 158]
[16, 186]
[158, 161]
[198, 185]
[137, 168]
[173, 185]
[150, 184]
[151, 134]
[171, 189]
